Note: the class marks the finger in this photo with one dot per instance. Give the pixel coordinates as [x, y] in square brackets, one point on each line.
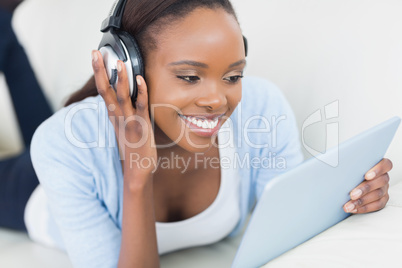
[142, 98]
[373, 206]
[366, 199]
[384, 166]
[368, 186]
[123, 90]
[101, 79]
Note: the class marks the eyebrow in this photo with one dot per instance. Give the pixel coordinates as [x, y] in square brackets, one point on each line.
[189, 62]
[237, 63]
[203, 65]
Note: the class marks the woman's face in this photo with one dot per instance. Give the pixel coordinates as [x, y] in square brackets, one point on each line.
[194, 78]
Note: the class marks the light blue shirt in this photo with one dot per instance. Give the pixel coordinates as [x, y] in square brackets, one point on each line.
[76, 158]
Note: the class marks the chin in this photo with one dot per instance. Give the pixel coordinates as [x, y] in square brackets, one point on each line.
[197, 145]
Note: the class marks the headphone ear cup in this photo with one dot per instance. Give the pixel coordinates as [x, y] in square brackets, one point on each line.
[134, 60]
[110, 59]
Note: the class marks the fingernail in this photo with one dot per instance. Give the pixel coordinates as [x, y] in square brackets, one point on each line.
[370, 175]
[354, 211]
[356, 193]
[119, 66]
[94, 56]
[112, 107]
[349, 207]
[138, 81]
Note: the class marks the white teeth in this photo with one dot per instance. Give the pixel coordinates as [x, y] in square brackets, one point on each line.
[203, 123]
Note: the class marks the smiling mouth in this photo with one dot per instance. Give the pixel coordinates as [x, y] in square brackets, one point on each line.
[203, 127]
[203, 122]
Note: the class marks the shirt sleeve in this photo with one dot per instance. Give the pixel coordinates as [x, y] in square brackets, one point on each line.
[284, 150]
[90, 236]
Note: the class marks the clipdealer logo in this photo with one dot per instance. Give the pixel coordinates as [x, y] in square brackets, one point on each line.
[331, 111]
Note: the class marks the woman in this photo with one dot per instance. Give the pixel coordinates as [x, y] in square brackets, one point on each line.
[152, 179]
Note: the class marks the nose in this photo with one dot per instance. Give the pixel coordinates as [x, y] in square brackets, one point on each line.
[213, 98]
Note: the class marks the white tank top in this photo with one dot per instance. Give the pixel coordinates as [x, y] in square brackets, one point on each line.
[207, 227]
[212, 224]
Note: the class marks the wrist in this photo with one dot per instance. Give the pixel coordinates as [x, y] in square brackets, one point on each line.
[136, 181]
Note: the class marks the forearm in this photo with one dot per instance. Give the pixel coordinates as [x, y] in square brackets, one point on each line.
[138, 245]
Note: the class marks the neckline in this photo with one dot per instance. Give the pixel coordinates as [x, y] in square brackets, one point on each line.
[210, 207]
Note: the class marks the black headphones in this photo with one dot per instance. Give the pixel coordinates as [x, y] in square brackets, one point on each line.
[120, 45]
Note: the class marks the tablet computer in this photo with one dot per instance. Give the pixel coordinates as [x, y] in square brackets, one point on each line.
[303, 202]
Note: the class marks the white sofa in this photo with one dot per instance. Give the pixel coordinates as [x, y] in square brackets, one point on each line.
[317, 52]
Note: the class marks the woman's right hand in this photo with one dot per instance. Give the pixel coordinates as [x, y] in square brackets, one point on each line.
[132, 125]
[135, 137]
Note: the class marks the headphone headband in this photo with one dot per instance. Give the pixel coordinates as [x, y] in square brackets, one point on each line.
[119, 45]
[115, 16]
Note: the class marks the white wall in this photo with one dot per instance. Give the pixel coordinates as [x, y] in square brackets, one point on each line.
[322, 51]
[316, 51]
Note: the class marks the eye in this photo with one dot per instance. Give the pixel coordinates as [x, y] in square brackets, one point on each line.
[233, 79]
[189, 79]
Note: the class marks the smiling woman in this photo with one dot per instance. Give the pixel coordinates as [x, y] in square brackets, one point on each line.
[198, 84]
[164, 174]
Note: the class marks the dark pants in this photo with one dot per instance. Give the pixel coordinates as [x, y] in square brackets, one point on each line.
[17, 176]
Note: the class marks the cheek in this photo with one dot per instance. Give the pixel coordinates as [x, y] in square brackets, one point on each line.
[160, 98]
[163, 89]
[165, 106]
[166, 101]
[234, 97]
[166, 118]
[168, 122]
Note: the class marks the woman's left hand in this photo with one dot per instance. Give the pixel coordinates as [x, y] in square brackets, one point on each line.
[372, 194]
